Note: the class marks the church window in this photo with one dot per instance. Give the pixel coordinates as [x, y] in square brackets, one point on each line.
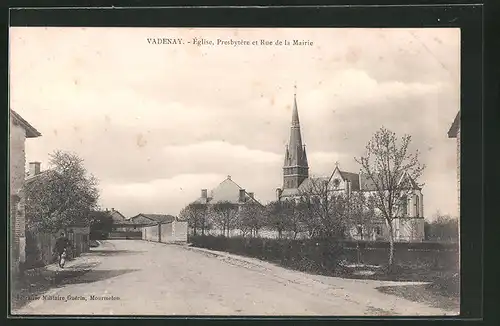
[417, 206]
[378, 230]
[404, 206]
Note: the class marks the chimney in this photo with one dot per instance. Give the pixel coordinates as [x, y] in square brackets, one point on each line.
[112, 209]
[229, 177]
[242, 195]
[203, 193]
[251, 195]
[34, 168]
[278, 193]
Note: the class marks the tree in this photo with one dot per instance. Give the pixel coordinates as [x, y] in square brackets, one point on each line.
[307, 219]
[64, 195]
[277, 213]
[196, 216]
[250, 218]
[362, 214]
[327, 207]
[101, 224]
[386, 161]
[225, 215]
[442, 228]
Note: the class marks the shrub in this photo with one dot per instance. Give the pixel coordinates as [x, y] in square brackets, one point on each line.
[319, 256]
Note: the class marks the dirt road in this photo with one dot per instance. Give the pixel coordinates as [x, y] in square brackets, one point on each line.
[142, 278]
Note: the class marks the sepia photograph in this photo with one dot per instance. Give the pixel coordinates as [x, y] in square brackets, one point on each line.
[234, 171]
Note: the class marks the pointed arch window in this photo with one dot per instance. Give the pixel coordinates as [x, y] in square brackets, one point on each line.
[417, 206]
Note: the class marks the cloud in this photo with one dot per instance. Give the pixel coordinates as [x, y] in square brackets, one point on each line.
[160, 112]
[165, 196]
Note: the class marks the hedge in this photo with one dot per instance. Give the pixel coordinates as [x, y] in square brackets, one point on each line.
[319, 256]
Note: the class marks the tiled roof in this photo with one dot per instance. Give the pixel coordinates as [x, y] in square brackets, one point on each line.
[159, 217]
[352, 177]
[32, 178]
[31, 132]
[117, 216]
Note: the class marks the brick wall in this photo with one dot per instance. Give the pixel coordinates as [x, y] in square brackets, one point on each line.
[17, 177]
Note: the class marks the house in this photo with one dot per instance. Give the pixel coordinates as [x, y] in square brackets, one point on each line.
[409, 224]
[19, 131]
[120, 222]
[226, 191]
[454, 132]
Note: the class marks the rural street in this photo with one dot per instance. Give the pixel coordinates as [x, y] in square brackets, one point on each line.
[146, 278]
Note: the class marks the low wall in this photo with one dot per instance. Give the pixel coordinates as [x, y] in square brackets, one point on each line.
[132, 235]
[166, 232]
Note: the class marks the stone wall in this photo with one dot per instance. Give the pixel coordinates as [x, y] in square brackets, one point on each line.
[166, 232]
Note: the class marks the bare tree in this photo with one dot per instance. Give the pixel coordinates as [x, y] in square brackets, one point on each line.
[225, 215]
[327, 207]
[442, 228]
[386, 162]
[362, 214]
[278, 213]
[251, 218]
[196, 216]
[61, 196]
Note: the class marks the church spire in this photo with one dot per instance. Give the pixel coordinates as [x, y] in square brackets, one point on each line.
[296, 168]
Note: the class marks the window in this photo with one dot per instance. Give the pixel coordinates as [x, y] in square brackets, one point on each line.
[417, 206]
[404, 206]
[378, 230]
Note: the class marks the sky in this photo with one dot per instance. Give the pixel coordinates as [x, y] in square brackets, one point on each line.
[156, 123]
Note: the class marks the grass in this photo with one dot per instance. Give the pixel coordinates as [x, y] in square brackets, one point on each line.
[424, 293]
[30, 287]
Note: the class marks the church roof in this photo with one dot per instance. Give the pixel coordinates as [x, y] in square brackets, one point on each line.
[367, 183]
[295, 154]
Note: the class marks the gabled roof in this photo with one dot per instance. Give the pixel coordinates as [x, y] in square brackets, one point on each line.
[368, 184]
[455, 127]
[226, 191]
[116, 216]
[31, 132]
[32, 178]
[348, 176]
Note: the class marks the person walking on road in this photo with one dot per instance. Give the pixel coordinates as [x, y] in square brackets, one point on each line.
[61, 248]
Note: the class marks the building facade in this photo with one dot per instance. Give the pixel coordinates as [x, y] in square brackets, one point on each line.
[407, 226]
[19, 131]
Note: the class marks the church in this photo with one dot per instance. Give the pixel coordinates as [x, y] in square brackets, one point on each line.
[407, 226]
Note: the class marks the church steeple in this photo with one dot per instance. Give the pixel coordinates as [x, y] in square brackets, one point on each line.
[295, 169]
